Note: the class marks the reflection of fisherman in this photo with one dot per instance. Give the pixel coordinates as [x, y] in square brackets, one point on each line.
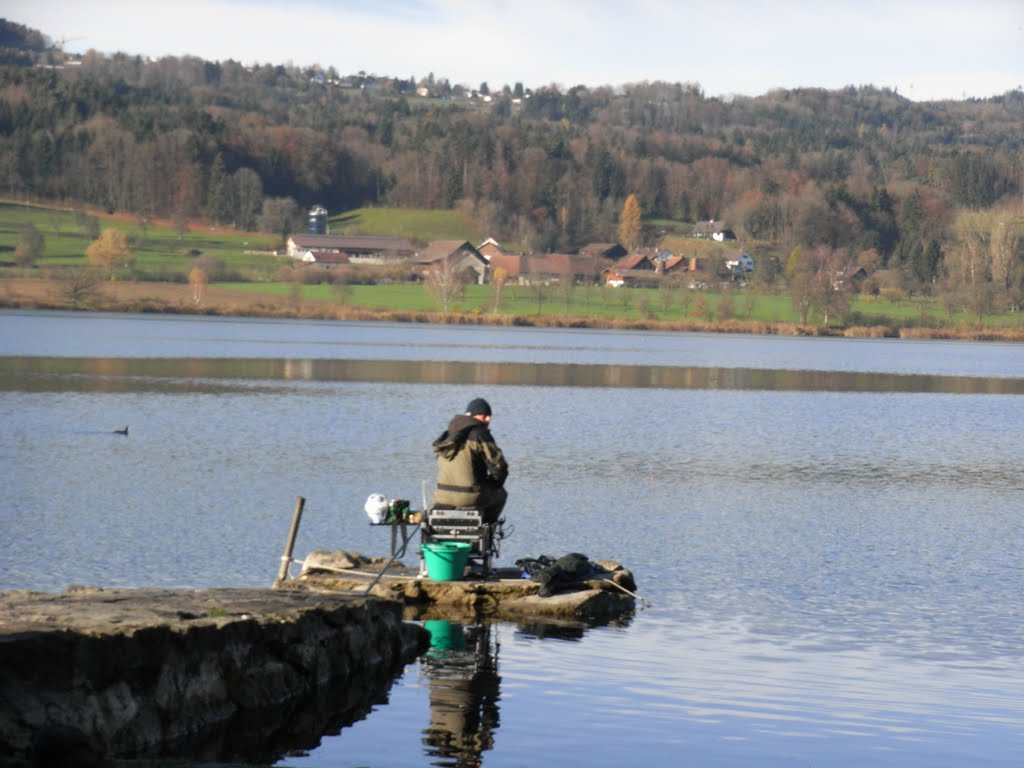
[463, 699]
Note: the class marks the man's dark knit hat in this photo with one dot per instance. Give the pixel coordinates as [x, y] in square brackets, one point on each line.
[478, 407]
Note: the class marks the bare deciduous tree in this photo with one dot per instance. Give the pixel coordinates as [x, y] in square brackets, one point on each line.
[280, 215]
[79, 285]
[445, 282]
[498, 279]
[198, 280]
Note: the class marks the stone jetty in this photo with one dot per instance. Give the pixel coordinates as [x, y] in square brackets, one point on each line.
[506, 596]
[227, 674]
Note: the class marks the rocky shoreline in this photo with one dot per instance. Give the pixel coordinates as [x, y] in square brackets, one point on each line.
[607, 595]
[227, 674]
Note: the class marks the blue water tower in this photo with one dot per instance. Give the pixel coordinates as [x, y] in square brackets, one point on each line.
[318, 220]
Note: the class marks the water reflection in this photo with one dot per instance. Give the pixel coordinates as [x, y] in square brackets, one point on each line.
[462, 672]
[210, 375]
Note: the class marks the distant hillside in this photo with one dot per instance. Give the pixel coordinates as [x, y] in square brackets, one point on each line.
[856, 176]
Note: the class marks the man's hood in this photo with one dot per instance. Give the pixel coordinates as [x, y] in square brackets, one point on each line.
[453, 438]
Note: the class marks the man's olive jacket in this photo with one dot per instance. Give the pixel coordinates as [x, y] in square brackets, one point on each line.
[469, 463]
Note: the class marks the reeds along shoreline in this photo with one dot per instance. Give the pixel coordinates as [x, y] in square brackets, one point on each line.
[321, 311]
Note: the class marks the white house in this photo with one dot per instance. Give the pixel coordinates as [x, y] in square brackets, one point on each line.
[740, 263]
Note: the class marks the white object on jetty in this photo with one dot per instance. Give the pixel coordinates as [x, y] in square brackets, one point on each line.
[376, 507]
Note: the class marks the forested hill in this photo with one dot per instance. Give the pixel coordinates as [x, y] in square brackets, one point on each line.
[860, 170]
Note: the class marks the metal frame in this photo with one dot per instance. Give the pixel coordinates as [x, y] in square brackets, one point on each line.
[461, 525]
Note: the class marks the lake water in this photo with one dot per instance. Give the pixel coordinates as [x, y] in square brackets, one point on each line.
[829, 531]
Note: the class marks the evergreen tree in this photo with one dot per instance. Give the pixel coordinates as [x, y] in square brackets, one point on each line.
[248, 198]
[219, 206]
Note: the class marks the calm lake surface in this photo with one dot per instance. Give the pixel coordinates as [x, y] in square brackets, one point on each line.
[829, 531]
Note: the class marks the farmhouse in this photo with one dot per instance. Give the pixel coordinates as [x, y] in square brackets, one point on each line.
[544, 269]
[646, 268]
[462, 257]
[359, 249]
[490, 247]
[636, 267]
[610, 251]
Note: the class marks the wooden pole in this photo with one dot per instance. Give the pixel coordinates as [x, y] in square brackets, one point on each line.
[286, 558]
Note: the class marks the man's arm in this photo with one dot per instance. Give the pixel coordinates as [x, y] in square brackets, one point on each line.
[496, 464]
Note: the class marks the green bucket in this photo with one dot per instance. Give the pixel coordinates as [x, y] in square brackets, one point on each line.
[446, 560]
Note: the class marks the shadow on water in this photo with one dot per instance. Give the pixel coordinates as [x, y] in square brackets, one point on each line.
[212, 375]
[461, 670]
[264, 737]
[249, 738]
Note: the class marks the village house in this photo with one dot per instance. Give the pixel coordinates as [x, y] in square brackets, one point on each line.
[490, 247]
[715, 230]
[511, 265]
[674, 264]
[543, 269]
[584, 268]
[646, 268]
[462, 255]
[609, 251]
[849, 279]
[629, 270]
[740, 263]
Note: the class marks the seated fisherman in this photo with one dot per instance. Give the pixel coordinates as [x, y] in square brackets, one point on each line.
[471, 468]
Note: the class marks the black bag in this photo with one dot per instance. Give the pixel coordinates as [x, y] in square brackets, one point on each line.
[532, 566]
[563, 572]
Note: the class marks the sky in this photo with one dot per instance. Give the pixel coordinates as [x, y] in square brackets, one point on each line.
[924, 50]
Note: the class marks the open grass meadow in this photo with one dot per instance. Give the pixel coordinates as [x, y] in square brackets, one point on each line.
[161, 250]
[424, 225]
[164, 255]
[733, 310]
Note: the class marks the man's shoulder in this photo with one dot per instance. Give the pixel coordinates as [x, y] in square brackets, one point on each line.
[481, 433]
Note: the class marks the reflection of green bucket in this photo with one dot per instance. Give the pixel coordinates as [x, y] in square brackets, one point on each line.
[445, 635]
[446, 560]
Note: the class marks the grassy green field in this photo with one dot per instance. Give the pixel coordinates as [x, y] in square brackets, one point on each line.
[420, 225]
[159, 249]
[610, 304]
[162, 252]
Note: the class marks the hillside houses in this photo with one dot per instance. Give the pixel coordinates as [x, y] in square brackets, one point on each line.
[596, 264]
[713, 230]
[520, 269]
[740, 263]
